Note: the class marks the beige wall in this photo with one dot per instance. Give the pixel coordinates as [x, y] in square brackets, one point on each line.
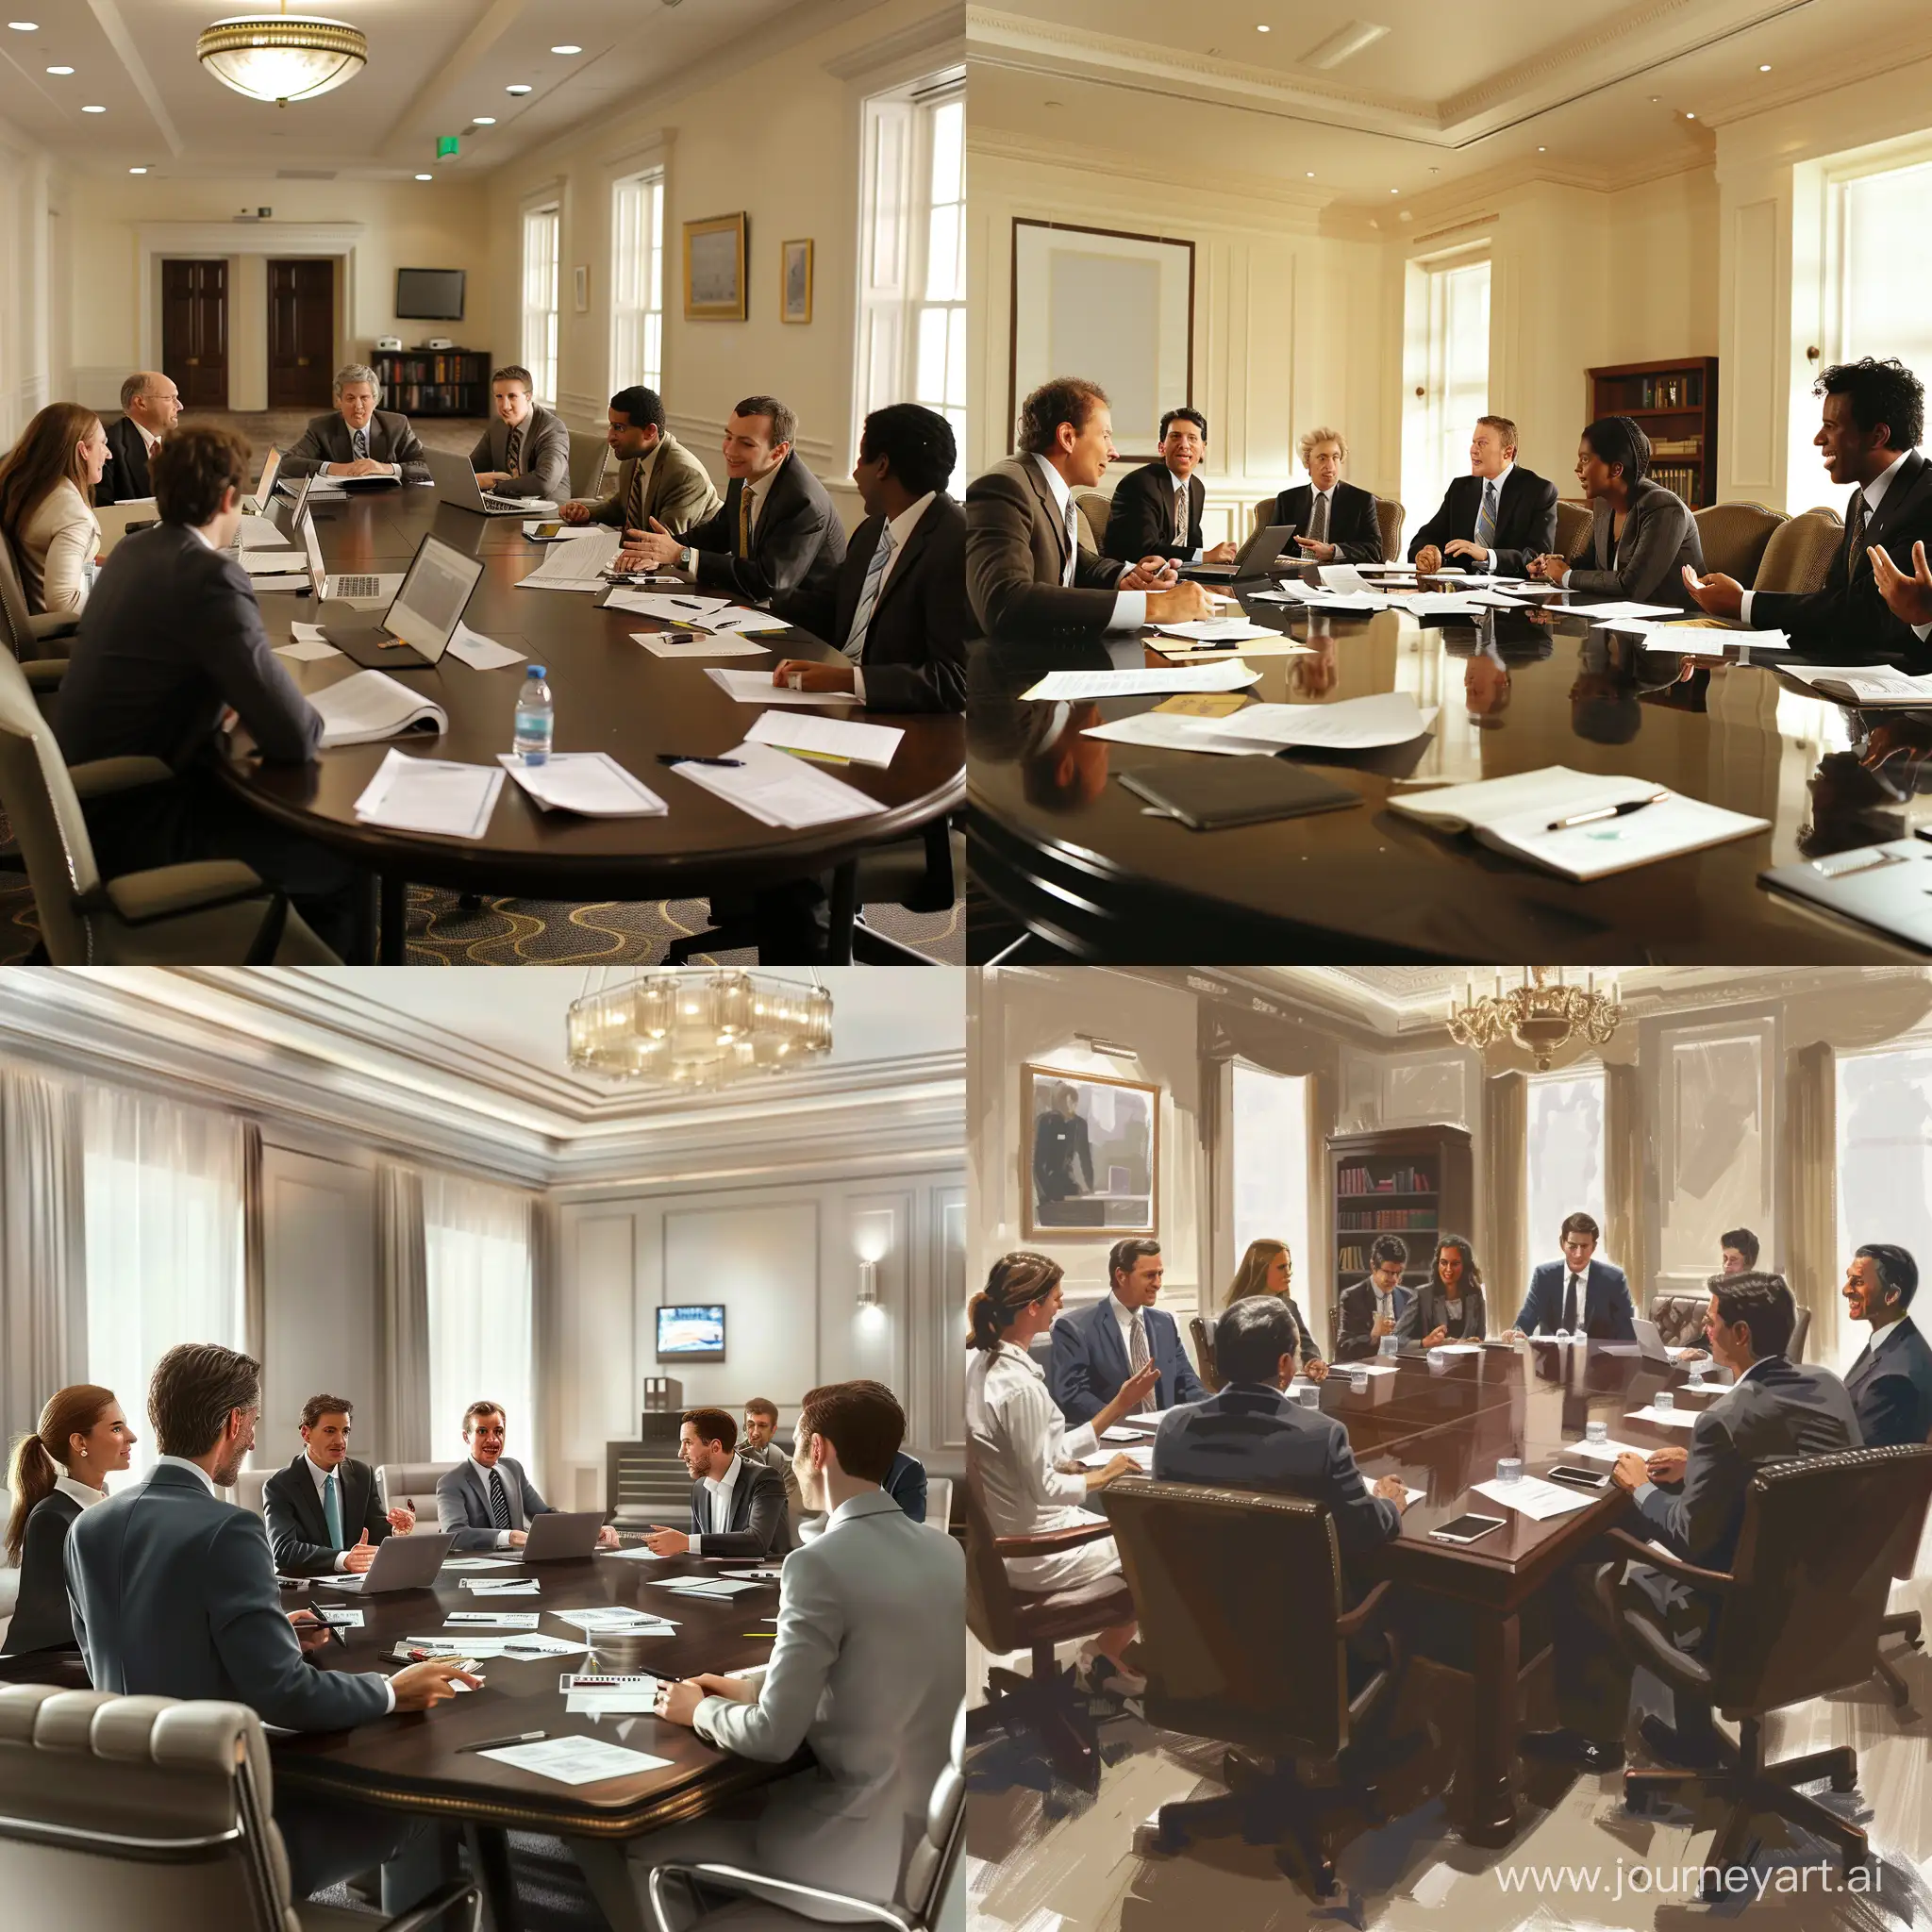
[34, 243]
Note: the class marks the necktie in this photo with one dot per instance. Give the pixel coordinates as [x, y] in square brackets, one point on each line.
[513, 455]
[1073, 543]
[358, 441]
[1854, 536]
[1318, 524]
[332, 1511]
[1570, 1306]
[1137, 1347]
[633, 503]
[744, 521]
[869, 595]
[499, 1502]
[1181, 515]
[1486, 517]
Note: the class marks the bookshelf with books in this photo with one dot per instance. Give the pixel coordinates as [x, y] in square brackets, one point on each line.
[435, 382]
[1412, 1182]
[1677, 404]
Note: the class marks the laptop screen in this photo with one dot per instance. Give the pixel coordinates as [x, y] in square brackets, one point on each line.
[430, 604]
[265, 489]
[318, 571]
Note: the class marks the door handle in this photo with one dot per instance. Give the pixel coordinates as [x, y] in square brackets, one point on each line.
[194, 361]
[301, 361]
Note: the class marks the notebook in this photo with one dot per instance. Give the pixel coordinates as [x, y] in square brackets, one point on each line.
[370, 706]
[1238, 791]
[1887, 887]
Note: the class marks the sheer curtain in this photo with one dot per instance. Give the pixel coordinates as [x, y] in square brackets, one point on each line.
[402, 1367]
[477, 1242]
[1565, 1153]
[165, 1244]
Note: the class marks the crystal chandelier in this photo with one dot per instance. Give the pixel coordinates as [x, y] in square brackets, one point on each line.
[282, 57]
[1542, 1016]
[699, 1029]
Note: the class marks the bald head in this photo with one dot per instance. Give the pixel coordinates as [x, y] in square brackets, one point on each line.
[152, 400]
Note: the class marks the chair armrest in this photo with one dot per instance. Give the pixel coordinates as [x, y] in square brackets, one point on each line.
[1676, 1566]
[778, 1892]
[1048, 1541]
[142, 898]
[445, 1898]
[103, 778]
[49, 626]
[1370, 1607]
[44, 674]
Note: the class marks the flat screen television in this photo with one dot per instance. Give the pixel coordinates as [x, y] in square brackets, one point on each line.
[429, 294]
[692, 1334]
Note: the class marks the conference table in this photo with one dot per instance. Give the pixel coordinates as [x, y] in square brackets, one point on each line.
[611, 695]
[1079, 866]
[416, 1764]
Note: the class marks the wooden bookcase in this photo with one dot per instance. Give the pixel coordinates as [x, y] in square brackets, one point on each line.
[435, 382]
[1413, 1182]
[1677, 404]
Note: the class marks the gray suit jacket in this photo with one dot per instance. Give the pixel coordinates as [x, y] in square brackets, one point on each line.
[1428, 1311]
[175, 1596]
[757, 1514]
[544, 466]
[297, 1528]
[678, 491]
[326, 440]
[1016, 557]
[463, 1503]
[1645, 565]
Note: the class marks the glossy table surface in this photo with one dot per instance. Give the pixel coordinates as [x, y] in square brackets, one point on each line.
[610, 695]
[1075, 857]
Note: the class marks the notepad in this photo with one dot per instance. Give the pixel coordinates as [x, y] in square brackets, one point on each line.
[780, 789]
[576, 1760]
[370, 706]
[1664, 1417]
[593, 1694]
[433, 795]
[1059, 687]
[725, 645]
[1530, 1495]
[841, 737]
[589, 783]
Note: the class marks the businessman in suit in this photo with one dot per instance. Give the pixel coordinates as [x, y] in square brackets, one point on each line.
[324, 1497]
[897, 610]
[659, 480]
[1333, 521]
[777, 531]
[1873, 417]
[756, 1444]
[487, 1502]
[150, 407]
[737, 1507]
[1374, 1308]
[1578, 1295]
[1156, 508]
[525, 451]
[173, 1593]
[1028, 574]
[355, 437]
[868, 1670]
[1692, 1500]
[1498, 517]
[1890, 1383]
[1096, 1350]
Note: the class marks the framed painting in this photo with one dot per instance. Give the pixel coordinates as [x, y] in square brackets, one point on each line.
[795, 282]
[1092, 1154]
[714, 257]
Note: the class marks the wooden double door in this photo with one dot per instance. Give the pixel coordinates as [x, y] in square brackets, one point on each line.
[194, 332]
[301, 334]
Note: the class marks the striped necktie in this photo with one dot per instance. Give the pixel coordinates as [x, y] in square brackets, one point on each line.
[514, 453]
[1137, 1352]
[633, 502]
[499, 1502]
[1073, 543]
[1855, 558]
[1318, 524]
[869, 595]
[744, 521]
[1486, 517]
[1180, 516]
[358, 441]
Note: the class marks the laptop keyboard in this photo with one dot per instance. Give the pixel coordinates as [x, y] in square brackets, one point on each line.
[500, 502]
[358, 586]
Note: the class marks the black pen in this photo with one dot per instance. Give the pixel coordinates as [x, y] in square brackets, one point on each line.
[1606, 811]
[501, 1744]
[690, 757]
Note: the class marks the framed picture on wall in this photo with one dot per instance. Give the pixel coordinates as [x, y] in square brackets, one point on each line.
[795, 283]
[580, 286]
[1117, 307]
[1092, 1154]
[714, 269]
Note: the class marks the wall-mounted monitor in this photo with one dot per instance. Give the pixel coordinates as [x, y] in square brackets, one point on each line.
[691, 1334]
[429, 294]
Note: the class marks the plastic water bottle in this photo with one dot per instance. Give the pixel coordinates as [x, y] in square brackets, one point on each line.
[536, 718]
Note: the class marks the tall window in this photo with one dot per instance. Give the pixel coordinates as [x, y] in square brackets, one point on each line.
[164, 1245]
[477, 1262]
[1884, 293]
[1565, 1154]
[636, 281]
[1883, 1162]
[1459, 370]
[541, 245]
[1271, 1172]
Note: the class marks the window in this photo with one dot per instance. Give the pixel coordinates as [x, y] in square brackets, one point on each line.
[163, 1187]
[542, 247]
[1457, 374]
[1884, 1165]
[1271, 1172]
[912, 270]
[476, 1264]
[1883, 303]
[1564, 1147]
[636, 281]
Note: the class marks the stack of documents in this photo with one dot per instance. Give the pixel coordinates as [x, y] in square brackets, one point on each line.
[780, 789]
[704, 1586]
[577, 563]
[837, 737]
[591, 783]
[429, 795]
[1260, 730]
[1217, 630]
[576, 1760]
[618, 1618]
[370, 706]
[756, 688]
[1532, 1496]
[1066, 687]
[592, 1694]
[1877, 686]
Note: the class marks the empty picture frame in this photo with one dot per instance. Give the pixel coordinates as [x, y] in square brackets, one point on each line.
[714, 252]
[795, 282]
[1091, 1160]
[1116, 308]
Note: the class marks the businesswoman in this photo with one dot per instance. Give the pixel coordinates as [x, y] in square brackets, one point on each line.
[1448, 1306]
[59, 1471]
[46, 506]
[1267, 1268]
[1641, 535]
[1021, 1456]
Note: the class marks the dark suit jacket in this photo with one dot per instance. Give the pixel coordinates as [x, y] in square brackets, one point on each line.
[463, 1503]
[170, 635]
[1355, 1343]
[1607, 1314]
[679, 493]
[1140, 523]
[905, 1484]
[1252, 1436]
[1890, 1386]
[1352, 526]
[1525, 520]
[915, 641]
[297, 1533]
[796, 544]
[1646, 565]
[757, 1514]
[43, 1619]
[326, 440]
[1016, 554]
[543, 463]
[174, 1596]
[127, 474]
[1429, 1309]
[1090, 1362]
[1847, 608]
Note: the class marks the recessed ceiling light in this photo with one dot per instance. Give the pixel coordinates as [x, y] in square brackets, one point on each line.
[517, 88]
[93, 110]
[137, 171]
[568, 47]
[1689, 117]
[1264, 29]
[1542, 150]
[1764, 66]
[483, 121]
[24, 27]
[1312, 174]
[425, 177]
[1396, 190]
[59, 70]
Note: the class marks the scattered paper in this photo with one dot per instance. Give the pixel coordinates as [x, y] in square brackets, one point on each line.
[508, 1643]
[1607, 1451]
[484, 1585]
[591, 783]
[618, 1618]
[577, 1761]
[1273, 645]
[745, 622]
[1376, 1368]
[1210, 630]
[305, 650]
[772, 786]
[672, 607]
[1530, 1495]
[1229, 673]
[1141, 1456]
[1664, 1417]
[1458, 1348]
[490, 1619]
[1412, 1497]
[480, 653]
[1625, 609]
[1341, 577]
[841, 738]
[661, 645]
[482, 1562]
[432, 796]
[1117, 1434]
[640, 1555]
[577, 563]
[703, 1586]
[756, 688]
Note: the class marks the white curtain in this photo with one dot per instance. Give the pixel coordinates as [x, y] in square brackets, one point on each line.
[402, 1365]
[477, 1242]
[165, 1246]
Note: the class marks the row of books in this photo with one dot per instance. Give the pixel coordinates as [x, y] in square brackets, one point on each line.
[1686, 479]
[1672, 392]
[458, 365]
[1403, 1181]
[438, 399]
[1356, 1261]
[1389, 1219]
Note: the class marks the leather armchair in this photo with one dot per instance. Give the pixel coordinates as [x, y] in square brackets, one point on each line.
[1797, 555]
[1204, 1353]
[414, 1484]
[1733, 536]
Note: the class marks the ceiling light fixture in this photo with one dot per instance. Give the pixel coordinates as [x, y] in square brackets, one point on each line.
[24, 27]
[1542, 150]
[517, 88]
[699, 1029]
[93, 110]
[1764, 66]
[568, 47]
[483, 121]
[1689, 117]
[282, 57]
[59, 70]
[1264, 29]
[425, 177]
[137, 171]
[1542, 1016]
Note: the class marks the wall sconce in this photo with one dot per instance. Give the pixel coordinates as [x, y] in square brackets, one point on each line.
[868, 1284]
[1109, 1049]
[872, 1241]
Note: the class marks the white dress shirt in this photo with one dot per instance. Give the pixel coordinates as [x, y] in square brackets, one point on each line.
[1129, 607]
[485, 1473]
[899, 527]
[83, 1493]
[320, 1476]
[1182, 518]
[718, 1490]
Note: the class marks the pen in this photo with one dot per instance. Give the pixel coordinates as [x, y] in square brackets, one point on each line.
[1607, 811]
[498, 1743]
[686, 758]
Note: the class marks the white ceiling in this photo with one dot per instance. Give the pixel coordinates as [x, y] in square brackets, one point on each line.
[433, 65]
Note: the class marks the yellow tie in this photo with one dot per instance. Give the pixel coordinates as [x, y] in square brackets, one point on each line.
[744, 521]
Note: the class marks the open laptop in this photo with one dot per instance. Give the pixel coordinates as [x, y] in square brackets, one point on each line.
[560, 1533]
[457, 485]
[1251, 561]
[366, 591]
[402, 1562]
[273, 554]
[417, 627]
[258, 500]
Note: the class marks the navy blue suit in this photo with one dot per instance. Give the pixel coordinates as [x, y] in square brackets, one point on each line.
[905, 1484]
[1090, 1362]
[1890, 1386]
[1356, 1340]
[1607, 1312]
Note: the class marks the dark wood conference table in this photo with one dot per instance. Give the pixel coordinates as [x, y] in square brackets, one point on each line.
[414, 1763]
[611, 695]
[1076, 859]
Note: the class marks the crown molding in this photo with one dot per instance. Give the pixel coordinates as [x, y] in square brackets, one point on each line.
[938, 41]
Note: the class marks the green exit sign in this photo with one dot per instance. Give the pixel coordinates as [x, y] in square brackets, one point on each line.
[447, 147]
